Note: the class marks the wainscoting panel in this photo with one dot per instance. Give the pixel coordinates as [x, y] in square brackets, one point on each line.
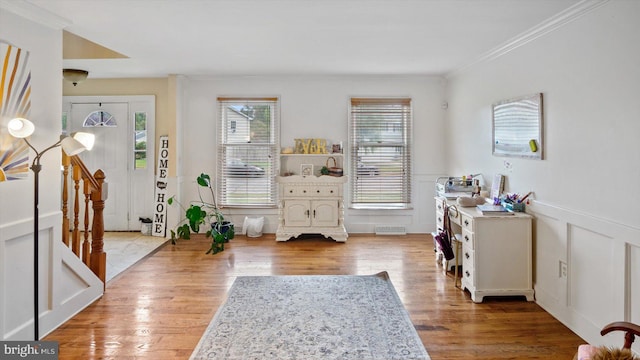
[425, 207]
[549, 249]
[591, 269]
[16, 284]
[601, 283]
[634, 283]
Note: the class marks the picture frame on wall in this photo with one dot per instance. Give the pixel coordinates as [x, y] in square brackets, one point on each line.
[15, 102]
[518, 127]
[306, 169]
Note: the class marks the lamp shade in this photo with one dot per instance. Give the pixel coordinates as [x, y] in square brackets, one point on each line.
[86, 139]
[72, 146]
[20, 128]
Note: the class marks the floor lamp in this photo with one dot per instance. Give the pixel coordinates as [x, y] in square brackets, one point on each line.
[72, 145]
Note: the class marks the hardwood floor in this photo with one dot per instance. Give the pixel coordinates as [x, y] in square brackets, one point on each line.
[159, 308]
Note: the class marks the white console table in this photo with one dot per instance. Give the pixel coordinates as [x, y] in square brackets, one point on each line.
[496, 251]
[311, 205]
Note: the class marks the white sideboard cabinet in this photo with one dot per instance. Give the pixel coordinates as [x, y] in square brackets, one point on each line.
[311, 205]
[496, 251]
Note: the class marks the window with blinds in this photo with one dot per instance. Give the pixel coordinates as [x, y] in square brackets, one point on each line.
[380, 153]
[247, 154]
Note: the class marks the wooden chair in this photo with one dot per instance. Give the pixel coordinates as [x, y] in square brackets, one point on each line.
[586, 352]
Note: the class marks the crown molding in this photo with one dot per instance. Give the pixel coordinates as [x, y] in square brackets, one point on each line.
[553, 23]
[35, 13]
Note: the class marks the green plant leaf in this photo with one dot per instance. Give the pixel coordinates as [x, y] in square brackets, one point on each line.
[170, 200]
[196, 216]
[204, 180]
[183, 232]
[217, 243]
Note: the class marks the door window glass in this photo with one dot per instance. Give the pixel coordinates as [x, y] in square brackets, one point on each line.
[99, 118]
[140, 141]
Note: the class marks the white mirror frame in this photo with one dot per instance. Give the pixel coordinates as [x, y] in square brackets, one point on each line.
[518, 127]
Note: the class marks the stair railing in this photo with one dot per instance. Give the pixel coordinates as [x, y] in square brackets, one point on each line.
[94, 194]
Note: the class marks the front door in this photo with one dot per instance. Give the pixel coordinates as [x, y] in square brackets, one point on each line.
[110, 123]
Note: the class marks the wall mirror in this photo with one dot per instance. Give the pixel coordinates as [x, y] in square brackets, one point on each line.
[517, 127]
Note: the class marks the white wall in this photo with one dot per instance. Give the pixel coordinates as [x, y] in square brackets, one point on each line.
[586, 187]
[318, 107]
[65, 284]
[45, 58]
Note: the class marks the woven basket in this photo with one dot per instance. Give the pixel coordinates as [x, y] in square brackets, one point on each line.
[334, 170]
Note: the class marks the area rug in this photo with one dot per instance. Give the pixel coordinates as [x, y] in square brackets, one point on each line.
[311, 317]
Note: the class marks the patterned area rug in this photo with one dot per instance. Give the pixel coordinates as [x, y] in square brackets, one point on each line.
[311, 317]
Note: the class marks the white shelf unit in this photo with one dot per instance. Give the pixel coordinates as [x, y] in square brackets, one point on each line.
[312, 204]
[291, 162]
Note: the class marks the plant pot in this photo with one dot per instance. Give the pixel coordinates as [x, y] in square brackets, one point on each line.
[226, 228]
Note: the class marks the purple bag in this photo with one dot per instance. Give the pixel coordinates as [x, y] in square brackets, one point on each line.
[443, 239]
[444, 243]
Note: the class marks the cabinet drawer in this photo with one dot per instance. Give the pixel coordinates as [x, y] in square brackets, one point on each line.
[467, 238]
[439, 220]
[296, 190]
[466, 222]
[468, 265]
[440, 204]
[327, 190]
[289, 190]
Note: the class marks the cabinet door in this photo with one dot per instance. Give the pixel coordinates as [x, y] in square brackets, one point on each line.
[297, 213]
[325, 212]
[503, 253]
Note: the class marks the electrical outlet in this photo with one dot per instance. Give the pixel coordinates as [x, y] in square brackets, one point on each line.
[563, 270]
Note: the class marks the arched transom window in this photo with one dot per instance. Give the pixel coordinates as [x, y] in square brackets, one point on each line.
[99, 118]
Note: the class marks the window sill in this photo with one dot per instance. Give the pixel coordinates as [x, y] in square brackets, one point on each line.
[376, 207]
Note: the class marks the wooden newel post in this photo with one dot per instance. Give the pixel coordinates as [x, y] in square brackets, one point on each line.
[76, 175]
[66, 162]
[98, 256]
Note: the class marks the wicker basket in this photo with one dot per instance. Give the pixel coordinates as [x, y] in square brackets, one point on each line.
[334, 170]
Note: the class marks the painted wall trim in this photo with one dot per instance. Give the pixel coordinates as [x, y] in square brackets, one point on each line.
[570, 14]
[35, 13]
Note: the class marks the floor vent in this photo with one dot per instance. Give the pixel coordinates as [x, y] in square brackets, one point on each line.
[390, 230]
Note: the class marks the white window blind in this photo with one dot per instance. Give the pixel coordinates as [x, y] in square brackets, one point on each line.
[247, 154]
[380, 152]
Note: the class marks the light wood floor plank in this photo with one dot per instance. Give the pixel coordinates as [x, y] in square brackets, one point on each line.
[159, 308]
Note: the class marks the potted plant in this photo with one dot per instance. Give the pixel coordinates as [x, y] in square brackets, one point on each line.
[202, 213]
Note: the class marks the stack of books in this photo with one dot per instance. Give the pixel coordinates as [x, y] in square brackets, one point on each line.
[490, 209]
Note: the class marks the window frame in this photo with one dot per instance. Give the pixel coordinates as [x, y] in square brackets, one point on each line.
[226, 175]
[382, 172]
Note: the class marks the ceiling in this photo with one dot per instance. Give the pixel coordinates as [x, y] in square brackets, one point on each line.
[297, 37]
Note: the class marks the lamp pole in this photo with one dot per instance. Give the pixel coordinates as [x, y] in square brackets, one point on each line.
[36, 315]
[36, 167]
